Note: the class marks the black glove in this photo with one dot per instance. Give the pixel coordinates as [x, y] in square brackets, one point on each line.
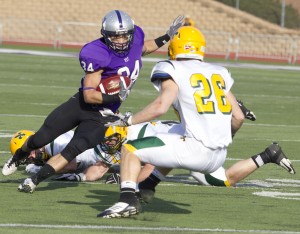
[113, 178]
[18, 158]
[247, 113]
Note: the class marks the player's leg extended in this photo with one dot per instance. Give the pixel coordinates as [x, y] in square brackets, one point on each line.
[228, 177]
[128, 203]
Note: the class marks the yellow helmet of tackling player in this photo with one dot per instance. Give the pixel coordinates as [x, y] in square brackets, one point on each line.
[114, 138]
[116, 129]
[18, 140]
[189, 42]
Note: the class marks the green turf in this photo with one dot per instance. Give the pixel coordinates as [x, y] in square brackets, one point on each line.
[32, 86]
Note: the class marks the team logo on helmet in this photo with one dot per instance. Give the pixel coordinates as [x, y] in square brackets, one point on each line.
[18, 140]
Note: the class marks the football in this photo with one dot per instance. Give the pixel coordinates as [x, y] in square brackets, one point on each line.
[111, 85]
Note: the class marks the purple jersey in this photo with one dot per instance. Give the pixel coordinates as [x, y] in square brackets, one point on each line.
[96, 55]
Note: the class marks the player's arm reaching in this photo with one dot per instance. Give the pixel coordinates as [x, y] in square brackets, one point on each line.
[237, 115]
[169, 90]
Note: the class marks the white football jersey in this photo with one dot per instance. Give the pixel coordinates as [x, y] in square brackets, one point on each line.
[91, 156]
[205, 112]
[56, 146]
[85, 159]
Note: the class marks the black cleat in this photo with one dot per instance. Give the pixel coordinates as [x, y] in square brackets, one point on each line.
[277, 156]
[146, 195]
[18, 158]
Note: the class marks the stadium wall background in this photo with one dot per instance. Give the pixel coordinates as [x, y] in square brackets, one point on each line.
[230, 33]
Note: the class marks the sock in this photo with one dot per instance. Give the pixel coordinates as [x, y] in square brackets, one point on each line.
[150, 183]
[46, 171]
[261, 159]
[80, 177]
[127, 194]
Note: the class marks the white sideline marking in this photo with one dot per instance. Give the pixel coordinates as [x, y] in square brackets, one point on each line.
[144, 228]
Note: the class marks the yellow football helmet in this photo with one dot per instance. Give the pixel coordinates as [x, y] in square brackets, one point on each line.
[189, 42]
[114, 138]
[18, 140]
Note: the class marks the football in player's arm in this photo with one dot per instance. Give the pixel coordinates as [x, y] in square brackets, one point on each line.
[117, 51]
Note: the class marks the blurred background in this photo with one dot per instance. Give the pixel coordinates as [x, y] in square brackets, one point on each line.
[266, 30]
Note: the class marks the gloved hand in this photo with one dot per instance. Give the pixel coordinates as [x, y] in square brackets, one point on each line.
[32, 168]
[108, 116]
[124, 92]
[122, 121]
[250, 115]
[177, 23]
[247, 113]
[71, 177]
[113, 178]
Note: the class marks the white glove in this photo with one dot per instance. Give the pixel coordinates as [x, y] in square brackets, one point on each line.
[124, 92]
[177, 23]
[32, 168]
[122, 121]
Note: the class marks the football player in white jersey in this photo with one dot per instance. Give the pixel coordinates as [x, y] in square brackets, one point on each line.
[90, 165]
[209, 115]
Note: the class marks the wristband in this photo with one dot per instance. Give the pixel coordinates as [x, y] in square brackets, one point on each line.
[160, 41]
[107, 99]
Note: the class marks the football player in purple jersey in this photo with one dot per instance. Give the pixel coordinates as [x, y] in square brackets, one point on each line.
[118, 51]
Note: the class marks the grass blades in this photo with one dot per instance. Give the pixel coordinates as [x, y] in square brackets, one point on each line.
[265, 202]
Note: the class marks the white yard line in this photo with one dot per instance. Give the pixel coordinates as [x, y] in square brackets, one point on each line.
[160, 229]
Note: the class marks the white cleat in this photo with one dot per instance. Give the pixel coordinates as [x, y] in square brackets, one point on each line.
[27, 186]
[120, 210]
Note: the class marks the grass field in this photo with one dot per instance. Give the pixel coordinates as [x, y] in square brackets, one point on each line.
[265, 202]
